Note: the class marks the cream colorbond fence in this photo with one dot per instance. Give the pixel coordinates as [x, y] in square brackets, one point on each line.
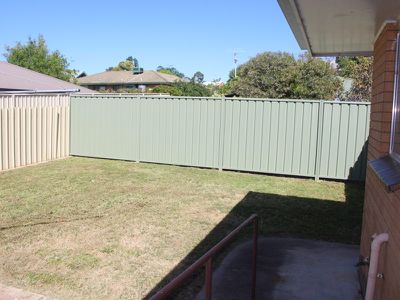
[33, 129]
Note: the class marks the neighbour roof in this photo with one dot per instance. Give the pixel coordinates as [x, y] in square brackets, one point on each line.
[127, 77]
[338, 27]
[15, 78]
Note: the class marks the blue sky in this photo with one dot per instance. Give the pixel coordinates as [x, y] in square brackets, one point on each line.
[189, 35]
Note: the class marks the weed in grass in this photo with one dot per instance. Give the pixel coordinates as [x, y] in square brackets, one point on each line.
[133, 252]
[55, 260]
[44, 278]
[83, 261]
[108, 249]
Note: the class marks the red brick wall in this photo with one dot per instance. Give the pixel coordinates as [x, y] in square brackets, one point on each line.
[382, 92]
[382, 208]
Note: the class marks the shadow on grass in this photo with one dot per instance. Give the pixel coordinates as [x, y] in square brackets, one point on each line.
[282, 216]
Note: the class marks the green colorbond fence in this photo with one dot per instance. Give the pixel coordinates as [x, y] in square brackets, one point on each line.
[321, 139]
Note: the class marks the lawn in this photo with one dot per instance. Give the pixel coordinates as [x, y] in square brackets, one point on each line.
[105, 229]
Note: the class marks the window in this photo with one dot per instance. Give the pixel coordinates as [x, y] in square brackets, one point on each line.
[395, 128]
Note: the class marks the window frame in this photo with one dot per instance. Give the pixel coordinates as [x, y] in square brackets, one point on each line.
[396, 102]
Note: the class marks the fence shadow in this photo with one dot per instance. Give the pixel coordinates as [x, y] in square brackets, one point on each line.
[359, 168]
[280, 216]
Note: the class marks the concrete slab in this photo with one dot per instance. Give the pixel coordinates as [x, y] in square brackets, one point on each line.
[12, 293]
[292, 269]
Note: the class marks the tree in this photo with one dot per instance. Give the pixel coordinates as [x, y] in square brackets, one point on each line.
[170, 71]
[198, 77]
[35, 55]
[346, 65]
[167, 89]
[191, 89]
[125, 65]
[269, 75]
[361, 89]
[358, 68]
[280, 75]
[216, 87]
[316, 80]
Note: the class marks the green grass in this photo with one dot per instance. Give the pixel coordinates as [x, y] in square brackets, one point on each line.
[44, 278]
[104, 229]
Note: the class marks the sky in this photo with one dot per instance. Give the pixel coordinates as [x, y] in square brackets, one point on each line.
[188, 35]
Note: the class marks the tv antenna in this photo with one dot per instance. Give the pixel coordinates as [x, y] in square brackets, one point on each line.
[235, 60]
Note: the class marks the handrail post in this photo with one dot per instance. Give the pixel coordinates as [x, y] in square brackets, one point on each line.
[254, 260]
[208, 280]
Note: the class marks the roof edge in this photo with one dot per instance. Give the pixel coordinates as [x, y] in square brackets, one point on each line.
[54, 91]
[85, 84]
[293, 17]
[348, 53]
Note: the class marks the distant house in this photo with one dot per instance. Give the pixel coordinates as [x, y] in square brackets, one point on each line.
[18, 79]
[115, 80]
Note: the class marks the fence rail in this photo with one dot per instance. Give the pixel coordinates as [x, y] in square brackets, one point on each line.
[293, 137]
[33, 129]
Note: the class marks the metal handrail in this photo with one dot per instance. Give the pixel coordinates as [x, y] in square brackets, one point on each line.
[206, 260]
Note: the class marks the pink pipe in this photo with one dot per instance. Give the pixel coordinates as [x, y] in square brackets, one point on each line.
[378, 240]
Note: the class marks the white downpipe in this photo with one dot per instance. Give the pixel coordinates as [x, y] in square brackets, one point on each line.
[378, 240]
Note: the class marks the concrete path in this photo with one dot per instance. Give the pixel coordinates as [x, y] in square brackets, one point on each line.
[11, 293]
[289, 269]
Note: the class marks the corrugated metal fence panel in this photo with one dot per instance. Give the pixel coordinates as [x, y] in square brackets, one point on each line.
[33, 129]
[345, 130]
[183, 131]
[105, 127]
[271, 136]
[293, 137]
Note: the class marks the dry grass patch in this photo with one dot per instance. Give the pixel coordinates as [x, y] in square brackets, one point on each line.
[102, 229]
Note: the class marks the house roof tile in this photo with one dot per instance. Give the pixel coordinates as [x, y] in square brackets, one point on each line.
[127, 77]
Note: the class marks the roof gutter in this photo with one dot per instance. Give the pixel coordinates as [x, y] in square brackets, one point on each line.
[40, 91]
[293, 17]
[332, 54]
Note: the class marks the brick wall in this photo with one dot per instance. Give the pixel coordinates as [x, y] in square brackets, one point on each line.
[382, 208]
[382, 92]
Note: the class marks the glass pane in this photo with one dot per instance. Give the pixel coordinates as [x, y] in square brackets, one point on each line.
[396, 111]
